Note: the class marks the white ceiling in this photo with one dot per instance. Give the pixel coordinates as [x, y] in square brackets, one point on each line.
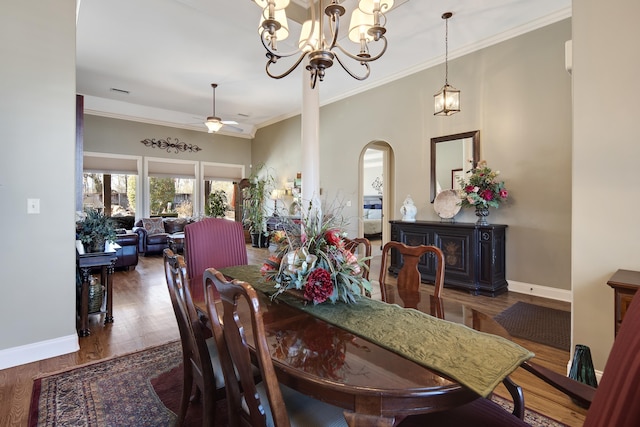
[167, 53]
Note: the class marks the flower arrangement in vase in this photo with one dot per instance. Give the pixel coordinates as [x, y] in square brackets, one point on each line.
[481, 190]
[311, 257]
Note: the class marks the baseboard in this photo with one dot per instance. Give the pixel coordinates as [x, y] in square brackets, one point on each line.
[540, 291]
[38, 351]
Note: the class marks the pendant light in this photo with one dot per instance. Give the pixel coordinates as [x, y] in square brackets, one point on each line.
[447, 100]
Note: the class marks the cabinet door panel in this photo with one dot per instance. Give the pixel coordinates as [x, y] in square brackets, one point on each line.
[458, 255]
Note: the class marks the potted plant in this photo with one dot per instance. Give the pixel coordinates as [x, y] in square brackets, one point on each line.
[95, 230]
[218, 206]
[255, 197]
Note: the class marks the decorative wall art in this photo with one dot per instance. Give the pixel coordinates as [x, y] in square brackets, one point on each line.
[169, 145]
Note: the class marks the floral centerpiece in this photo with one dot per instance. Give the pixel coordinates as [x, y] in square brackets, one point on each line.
[481, 190]
[311, 257]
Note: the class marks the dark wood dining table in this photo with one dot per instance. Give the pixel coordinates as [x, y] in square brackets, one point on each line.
[374, 385]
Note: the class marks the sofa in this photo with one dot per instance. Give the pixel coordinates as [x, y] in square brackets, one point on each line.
[127, 253]
[154, 233]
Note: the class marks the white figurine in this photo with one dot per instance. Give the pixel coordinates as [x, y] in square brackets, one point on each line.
[408, 210]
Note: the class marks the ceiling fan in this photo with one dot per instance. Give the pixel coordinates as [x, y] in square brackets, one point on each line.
[213, 123]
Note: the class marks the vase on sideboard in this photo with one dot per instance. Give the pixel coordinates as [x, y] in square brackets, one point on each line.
[482, 213]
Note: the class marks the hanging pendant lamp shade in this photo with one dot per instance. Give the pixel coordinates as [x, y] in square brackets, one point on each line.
[447, 100]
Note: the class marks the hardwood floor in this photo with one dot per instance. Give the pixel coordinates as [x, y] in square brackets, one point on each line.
[144, 318]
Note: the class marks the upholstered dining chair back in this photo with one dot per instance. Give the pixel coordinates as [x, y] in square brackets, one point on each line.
[362, 247]
[200, 359]
[212, 242]
[408, 281]
[255, 404]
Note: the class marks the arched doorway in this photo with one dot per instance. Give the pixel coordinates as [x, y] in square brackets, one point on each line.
[376, 194]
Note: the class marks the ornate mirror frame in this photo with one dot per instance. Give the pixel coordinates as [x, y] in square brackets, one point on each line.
[452, 139]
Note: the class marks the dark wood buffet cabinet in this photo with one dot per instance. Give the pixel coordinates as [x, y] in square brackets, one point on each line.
[474, 254]
[625, 284]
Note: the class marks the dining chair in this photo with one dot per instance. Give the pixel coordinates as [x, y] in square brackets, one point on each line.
[613, 403]
[251, 403]
[212, 242]
[201, 364]
[408, 280]
[354, 245]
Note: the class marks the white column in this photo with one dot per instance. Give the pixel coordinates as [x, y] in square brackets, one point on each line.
[310, 143]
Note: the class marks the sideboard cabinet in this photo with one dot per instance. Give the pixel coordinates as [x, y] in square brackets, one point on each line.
[474, 255]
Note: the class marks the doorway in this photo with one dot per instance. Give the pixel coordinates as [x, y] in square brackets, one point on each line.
[376, 192]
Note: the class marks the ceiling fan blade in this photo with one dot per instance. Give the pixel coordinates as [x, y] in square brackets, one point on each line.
[237, 129]
[229, 122]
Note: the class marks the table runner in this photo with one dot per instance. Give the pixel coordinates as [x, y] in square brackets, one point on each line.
[477, 360]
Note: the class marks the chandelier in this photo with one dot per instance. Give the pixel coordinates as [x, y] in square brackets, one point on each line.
[319, 39]
[447, 100]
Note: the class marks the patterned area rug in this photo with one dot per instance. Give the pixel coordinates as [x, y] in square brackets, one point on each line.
[116, 392]
[139, 389]
[539, 324]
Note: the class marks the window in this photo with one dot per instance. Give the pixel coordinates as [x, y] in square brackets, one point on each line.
[172, 188]
[221, 176]
[121, 187]
[229, 190]
[110, 184]
[171, 197]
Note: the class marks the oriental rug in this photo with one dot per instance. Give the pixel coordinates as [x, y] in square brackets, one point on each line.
[539, 324]
[138, 389]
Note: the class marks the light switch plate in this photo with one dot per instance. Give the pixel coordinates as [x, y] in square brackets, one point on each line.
[33, 206]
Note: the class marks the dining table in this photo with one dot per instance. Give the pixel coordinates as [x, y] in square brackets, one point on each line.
[382, 362]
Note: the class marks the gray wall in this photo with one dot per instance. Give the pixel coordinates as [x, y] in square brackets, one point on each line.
[516, 92]
[37, 130]
[108, 135]
[605, 227]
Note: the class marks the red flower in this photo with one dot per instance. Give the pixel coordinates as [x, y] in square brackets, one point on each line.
[486, 194]
[333, 237]
[319, 286]
[503, 193]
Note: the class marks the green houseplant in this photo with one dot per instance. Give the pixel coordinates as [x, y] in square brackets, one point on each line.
[255, 199]
[218, 204]
[95, 230]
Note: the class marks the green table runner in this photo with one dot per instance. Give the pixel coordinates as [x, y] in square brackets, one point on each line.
[477, 360]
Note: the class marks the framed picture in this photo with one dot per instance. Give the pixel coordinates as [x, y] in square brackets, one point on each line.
[456, 176]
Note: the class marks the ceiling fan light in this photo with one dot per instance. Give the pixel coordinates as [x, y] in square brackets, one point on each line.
[214, 124]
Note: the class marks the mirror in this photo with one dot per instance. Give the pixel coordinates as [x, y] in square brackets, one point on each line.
[450, 157]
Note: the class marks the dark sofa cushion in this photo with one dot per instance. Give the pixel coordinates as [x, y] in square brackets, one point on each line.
[174, 225]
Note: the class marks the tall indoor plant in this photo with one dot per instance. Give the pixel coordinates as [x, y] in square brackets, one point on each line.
[255, 198]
